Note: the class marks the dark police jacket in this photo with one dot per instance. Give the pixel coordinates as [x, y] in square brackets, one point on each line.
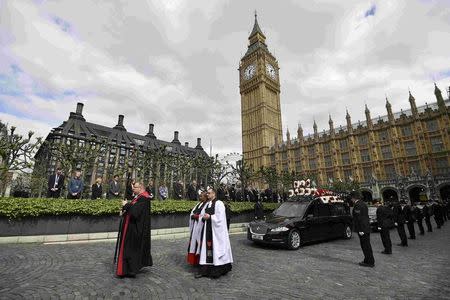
[399, 214]
[409, 214]
[418, 213]
[361, 217]
[385, 217]
[427, 212]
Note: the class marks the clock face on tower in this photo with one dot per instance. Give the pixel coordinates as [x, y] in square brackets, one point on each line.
[249, 72]
[270, 70]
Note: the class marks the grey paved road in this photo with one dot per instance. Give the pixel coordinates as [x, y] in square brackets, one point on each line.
[319, 271]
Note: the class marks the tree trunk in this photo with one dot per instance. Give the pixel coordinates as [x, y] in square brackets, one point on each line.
[171, 185]
[157, 176]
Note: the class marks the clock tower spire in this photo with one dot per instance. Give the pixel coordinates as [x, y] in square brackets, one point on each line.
[260, 100]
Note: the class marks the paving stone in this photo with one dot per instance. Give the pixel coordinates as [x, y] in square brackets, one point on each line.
[327, 270]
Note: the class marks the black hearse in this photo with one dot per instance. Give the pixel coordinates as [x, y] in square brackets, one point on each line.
[302, 219]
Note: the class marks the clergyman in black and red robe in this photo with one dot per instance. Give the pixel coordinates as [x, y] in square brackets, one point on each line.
[133, 240]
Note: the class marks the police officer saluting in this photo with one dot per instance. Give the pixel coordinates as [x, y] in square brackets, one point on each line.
[385, 220]
[361, 223]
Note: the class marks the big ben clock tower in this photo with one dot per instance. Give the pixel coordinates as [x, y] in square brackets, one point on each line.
[260, 100]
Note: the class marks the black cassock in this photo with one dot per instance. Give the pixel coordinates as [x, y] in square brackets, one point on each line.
[133, 239]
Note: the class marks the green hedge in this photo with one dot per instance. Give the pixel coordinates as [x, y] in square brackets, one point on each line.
[14, 208]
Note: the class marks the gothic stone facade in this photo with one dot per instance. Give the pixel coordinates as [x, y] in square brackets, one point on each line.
[260, 100]
[398, 155]
[122, 153]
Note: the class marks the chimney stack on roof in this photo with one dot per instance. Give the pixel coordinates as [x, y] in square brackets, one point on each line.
[199, 144]
[78, 114]
[79, 108]
[175, 138]
[150, 133]
[119, 125]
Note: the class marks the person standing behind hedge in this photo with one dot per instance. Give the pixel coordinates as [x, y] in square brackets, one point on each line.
[55, 184]
[97, 189]
[75, 187]
[151, 189]
[192, 191]
[163, 192]
[129, 194]
[114, 188]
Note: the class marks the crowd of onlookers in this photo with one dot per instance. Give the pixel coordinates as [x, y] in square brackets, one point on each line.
[76, 189]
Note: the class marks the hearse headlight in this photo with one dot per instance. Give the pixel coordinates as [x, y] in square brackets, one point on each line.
[279, 229]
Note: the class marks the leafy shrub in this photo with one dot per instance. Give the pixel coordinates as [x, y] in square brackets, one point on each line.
[14, 208]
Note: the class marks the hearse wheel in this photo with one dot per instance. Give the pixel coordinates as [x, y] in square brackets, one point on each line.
[348, 232]
[294, 240]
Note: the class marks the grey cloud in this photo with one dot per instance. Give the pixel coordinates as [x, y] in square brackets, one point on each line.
[176, 66]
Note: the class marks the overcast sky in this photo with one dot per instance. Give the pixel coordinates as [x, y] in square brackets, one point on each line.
[174, 63]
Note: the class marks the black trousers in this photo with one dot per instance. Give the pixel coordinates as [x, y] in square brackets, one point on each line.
[420, 224]
[412, 231]
[428, 222]
[53, 194]
[70, 196]
[402, 234]
[364, 240]
[386, 239]
[438, 221]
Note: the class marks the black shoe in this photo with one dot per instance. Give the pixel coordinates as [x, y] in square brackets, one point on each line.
[386, 252]
[363, 264]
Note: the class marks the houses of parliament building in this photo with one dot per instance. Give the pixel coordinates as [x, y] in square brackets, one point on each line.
[402, 155]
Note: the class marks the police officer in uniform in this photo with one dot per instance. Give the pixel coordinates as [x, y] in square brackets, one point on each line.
[419, 217]
[427, 212]
[410, 219]
[385, 220]
[438, 214]
[362, 227]
[400, 220]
